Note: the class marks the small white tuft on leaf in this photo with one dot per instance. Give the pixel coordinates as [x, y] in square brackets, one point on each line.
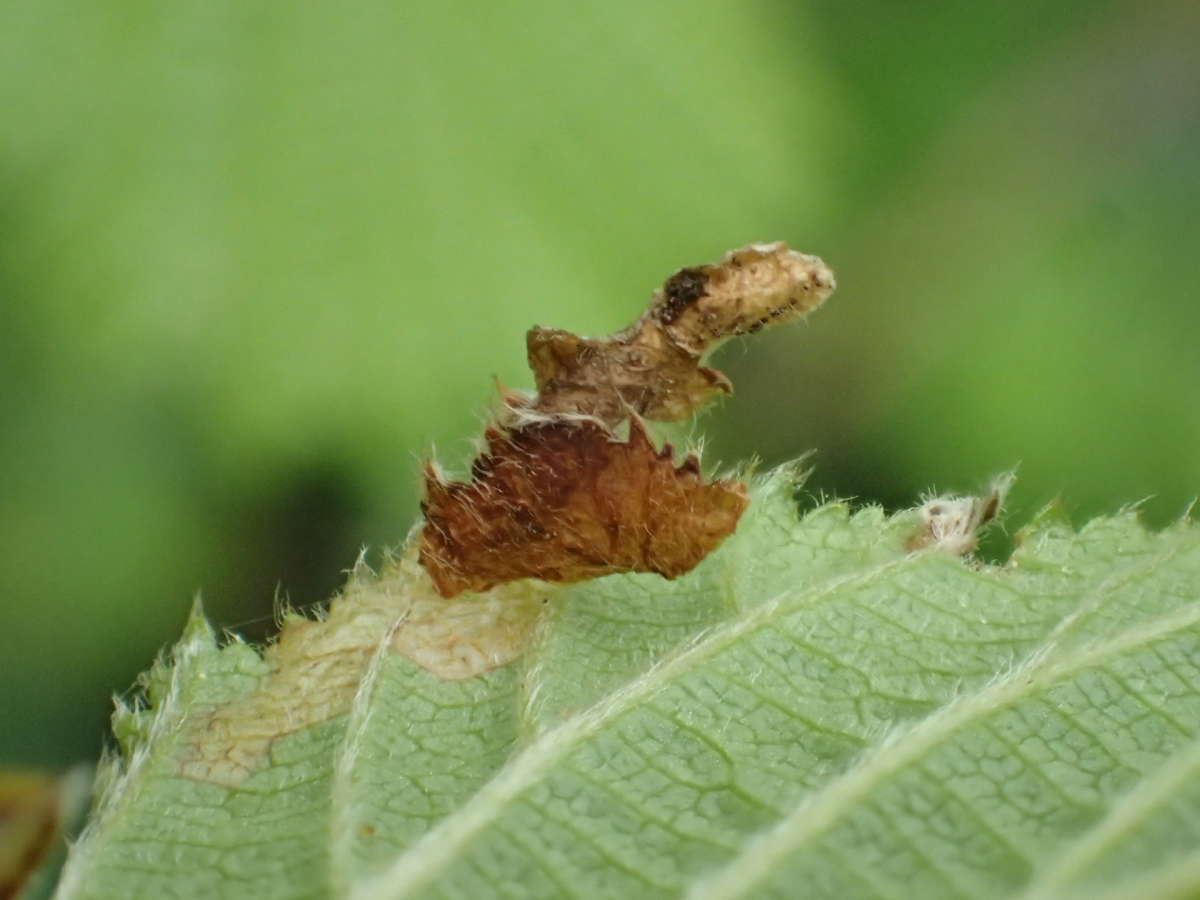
[953, 524]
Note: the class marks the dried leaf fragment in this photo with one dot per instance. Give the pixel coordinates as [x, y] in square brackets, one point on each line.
[652, 369]
[953, 524]
[29, 823]
[563, 500]
[555, 495]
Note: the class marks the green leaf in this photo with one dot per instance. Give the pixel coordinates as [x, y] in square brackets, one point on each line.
[815, 708]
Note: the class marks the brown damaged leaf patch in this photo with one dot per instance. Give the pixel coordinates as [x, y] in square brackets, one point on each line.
[555, 495]
[652, 369]
[563, 500]
[29, 822]
[317, 666]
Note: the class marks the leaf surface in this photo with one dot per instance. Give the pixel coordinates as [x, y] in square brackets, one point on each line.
[813, 705]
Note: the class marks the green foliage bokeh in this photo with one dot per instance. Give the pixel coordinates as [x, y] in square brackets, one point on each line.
[256, 261]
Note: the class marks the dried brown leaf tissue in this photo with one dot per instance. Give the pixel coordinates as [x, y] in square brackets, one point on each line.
[556, 494]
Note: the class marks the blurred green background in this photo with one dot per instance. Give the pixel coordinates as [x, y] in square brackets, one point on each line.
[257, 259]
